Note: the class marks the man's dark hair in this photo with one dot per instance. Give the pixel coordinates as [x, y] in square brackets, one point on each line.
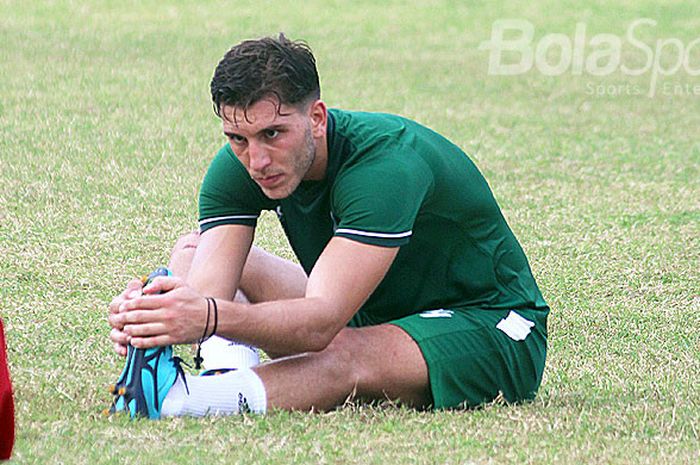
[255, 69]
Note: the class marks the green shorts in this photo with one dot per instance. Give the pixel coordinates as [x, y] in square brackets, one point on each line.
[475, 355]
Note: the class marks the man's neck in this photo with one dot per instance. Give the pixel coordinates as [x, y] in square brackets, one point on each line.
[320, 163]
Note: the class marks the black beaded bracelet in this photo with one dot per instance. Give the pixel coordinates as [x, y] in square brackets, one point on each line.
[198, 358]
[216, 315]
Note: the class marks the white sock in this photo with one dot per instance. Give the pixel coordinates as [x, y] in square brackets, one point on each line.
[218, 352]
[239, 391]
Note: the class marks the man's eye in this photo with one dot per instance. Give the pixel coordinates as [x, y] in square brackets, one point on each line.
[237, 139]
[271, 133]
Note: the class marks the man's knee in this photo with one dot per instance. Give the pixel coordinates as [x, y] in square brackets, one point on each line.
[183, 253]
[349, 357]
[345, 359]
[378, 362]
[187, 241]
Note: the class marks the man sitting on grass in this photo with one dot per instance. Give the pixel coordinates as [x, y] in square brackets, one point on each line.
[412, 287]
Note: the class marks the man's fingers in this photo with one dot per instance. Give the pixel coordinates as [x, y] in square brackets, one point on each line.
[134, 288]
[150, 302]
[162, 284]
[149, 329]
[133, 285]
[120, 341]
[120, 349]
[114, 304]
[148, 342]
[133, 294]
[114, 321]
[119, 337]
[132, 291]
[139, 317]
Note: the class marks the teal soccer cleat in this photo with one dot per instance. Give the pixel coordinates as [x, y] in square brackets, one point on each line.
[147, 376]
[145, 381]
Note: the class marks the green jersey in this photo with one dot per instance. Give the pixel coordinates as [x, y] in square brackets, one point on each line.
[391, 182]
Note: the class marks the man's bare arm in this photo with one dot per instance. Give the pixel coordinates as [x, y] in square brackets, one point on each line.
[219, 260]
[346, 274]
[344, 277]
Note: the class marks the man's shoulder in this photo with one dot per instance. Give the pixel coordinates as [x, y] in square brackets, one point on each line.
[227, 191]
[226, 169]
[376, 131]
[225, 158]
[352, 122]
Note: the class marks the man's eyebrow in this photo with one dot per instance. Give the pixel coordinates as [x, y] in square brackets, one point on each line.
[274, 127]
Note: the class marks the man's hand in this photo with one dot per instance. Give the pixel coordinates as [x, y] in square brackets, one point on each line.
[177, 316]
[117, 335]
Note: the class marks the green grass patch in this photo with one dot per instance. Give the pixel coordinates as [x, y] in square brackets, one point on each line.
[107, 129]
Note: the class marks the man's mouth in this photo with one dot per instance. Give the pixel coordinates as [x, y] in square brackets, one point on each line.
[269, 181]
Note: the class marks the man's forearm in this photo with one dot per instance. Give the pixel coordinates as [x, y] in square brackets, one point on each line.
[280, 327]
[218, 263]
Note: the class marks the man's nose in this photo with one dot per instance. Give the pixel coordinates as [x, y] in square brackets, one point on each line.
[258, 158]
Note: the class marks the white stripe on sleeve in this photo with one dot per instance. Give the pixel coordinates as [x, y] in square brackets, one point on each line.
[357, 232]
[230, 217]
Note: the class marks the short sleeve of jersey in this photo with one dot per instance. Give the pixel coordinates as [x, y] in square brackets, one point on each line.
[378, 204]
[228, 195]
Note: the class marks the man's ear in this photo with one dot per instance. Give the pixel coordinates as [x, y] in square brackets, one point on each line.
[319, 118]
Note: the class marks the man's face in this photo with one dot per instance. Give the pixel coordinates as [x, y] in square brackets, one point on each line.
[277, 148]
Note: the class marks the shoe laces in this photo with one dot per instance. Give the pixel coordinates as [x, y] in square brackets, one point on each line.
[180, 371]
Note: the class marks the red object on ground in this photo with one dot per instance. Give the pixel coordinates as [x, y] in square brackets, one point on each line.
[7, 407]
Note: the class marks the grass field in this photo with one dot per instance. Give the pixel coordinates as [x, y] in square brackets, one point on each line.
[107, 129]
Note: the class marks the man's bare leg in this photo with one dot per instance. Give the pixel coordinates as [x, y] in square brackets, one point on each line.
[378, 362]
[375, 362]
